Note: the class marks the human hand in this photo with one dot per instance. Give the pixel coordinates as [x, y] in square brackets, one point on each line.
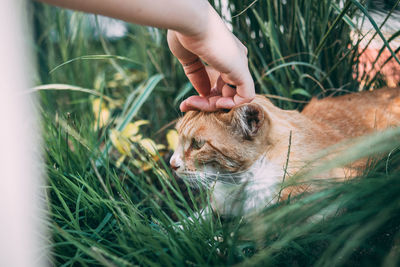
[226, 81]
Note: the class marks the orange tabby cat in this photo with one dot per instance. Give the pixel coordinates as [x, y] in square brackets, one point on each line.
[242, 154]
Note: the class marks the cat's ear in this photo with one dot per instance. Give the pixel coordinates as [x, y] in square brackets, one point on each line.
[247, 120]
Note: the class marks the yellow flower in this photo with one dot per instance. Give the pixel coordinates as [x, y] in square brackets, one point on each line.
[120, 161]
[121, 143]
[96, 106]
[172, 139]
[133, 128]
[125, 79]
[150, 146]
[118, 76]
[101, 113]
[112, 84]
[144, 165]
[136, 138]
[137, 76]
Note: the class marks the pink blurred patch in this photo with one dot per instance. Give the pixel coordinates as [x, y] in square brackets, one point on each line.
[390, 70]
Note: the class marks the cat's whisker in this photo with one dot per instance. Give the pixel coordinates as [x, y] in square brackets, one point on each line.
[206, 178]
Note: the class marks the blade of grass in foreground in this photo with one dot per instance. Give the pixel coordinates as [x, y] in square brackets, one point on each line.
[96, 57]
[146, 90]
[68, 87]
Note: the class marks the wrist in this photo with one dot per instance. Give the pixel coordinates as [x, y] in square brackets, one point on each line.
[193, 22]
[205, 22]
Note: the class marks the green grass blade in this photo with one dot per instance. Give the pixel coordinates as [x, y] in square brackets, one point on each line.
[96, 57]
[146, 91]
[67, 87]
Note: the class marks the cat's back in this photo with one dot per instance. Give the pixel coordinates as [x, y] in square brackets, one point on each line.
[359, 113]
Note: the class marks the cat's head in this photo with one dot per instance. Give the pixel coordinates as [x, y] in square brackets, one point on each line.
[221, 142]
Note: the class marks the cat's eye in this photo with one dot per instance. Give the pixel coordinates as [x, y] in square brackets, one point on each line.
[197, 144]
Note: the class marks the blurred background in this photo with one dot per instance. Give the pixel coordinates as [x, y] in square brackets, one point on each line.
[109, 94]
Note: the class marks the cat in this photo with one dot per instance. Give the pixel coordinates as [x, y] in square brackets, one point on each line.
[244, 154]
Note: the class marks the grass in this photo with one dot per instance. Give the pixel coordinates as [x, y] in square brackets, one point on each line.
[113, 202]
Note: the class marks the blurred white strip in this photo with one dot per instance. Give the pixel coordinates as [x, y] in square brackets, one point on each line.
[20, 221]
[108, 27]
[391, 26]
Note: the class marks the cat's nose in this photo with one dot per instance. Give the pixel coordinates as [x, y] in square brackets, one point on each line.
[174, 164]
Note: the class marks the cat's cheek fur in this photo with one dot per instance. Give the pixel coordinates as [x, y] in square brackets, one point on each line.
[258, 188]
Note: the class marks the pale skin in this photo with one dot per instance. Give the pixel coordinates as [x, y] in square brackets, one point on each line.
[196, 34]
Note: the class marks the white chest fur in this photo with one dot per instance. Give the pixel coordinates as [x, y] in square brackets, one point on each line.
[258, 187]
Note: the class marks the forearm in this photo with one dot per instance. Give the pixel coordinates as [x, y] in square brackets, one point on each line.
[185, 16]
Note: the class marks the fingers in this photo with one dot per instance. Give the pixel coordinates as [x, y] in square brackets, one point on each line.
[192, 65]
[181, 53]
[198, 76]
[227, 60]
[245, 92]
[222, 96]
[213, 75]
[199, 103]
[228, 91]
[225, 103]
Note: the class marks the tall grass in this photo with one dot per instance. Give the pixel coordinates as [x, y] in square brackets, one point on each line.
[106, 210]
[298, 48]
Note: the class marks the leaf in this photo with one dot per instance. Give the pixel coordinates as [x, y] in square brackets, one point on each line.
[97, 104]
[145, 166]
[120, 161]
[101, 113]
[172, 139]
[300, 91]
[133, 76]
[132, 128]
[150, 146]
[160, 146]
[136, 138]
[120, 143]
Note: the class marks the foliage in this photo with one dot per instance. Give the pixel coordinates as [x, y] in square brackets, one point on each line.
[106, 105]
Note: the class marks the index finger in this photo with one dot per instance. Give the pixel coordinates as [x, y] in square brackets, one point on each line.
[192, 65]
[198, 76]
